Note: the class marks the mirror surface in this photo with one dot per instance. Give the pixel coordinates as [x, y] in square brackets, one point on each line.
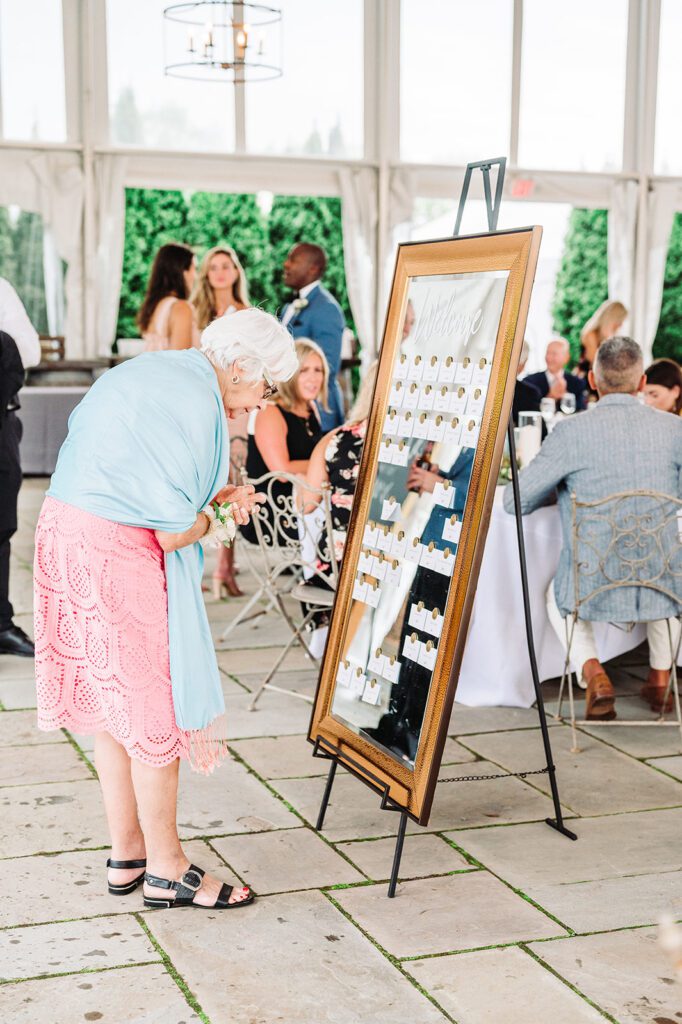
[405, 568]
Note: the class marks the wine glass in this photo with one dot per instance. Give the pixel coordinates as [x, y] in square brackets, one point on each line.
[567, 404]
[547, 410]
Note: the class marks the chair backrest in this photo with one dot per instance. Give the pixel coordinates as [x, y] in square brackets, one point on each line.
[292, 537]
[630, 539]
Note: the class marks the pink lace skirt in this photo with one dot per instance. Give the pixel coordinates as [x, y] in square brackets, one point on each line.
[101, 633]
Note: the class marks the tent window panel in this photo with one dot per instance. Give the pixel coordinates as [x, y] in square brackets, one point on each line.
[668, 152]
[32, 71]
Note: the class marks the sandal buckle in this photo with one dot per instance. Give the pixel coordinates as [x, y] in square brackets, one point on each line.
[192, 880]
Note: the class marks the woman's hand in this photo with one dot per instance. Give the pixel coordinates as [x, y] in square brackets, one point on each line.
[242, 498]
[424, 479]
[172, 541]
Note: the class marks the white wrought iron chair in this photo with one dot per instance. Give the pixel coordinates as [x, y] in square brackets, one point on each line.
[629, 539]
[296, 561]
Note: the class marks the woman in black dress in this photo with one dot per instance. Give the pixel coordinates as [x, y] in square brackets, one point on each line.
[287, 430]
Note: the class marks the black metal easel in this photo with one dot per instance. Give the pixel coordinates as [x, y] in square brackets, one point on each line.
[325, 750]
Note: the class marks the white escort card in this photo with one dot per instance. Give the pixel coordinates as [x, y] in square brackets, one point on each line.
[373, 594]
[391, 669]
[458, 401]
[411, 647]
[447, 370]
[452, 529]
[365, 561]
[464, 372]
[470, 433]
[427, 655]
[436, 431]
[343, 673]
[453, 430]
[476, 402]
[431, 370]
[376, 662]
[415, 369]
[379, 567]
[481, 374]
[405, 424]
[427, 397]
[397, 392]
[444, 493]
[421, 426]
[394, 573]
[398, 544]
[369, 537]
[391, 510]
[441, 402]
[417, 615]
[391, 423]
[400, 454]
[357, 683]
[429, 552]
[386, 450]
[413, 551]
[372, 692]
[443, 562]
[411, 396]
[401, 368]
[360, 588]
[384, 539]
[433, 622]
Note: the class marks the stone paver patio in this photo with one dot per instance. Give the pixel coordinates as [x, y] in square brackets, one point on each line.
[497, 917]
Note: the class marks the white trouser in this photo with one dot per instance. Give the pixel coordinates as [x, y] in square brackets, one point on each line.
[583, 646]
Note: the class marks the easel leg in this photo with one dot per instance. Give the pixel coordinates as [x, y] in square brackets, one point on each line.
[327, 794]
[397, 855]
[557, 822]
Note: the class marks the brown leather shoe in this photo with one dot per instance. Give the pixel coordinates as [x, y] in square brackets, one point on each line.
[600, 699]
[653, 691]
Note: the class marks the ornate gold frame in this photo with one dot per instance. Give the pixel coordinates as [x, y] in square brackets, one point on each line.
[517, 252]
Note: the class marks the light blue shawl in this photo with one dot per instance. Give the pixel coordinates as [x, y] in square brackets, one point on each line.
[148, 446]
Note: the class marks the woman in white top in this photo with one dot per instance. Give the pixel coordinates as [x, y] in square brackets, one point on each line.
[166, 318]
[221, 288]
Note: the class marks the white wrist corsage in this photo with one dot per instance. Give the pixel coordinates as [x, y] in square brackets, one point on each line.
[223, 528]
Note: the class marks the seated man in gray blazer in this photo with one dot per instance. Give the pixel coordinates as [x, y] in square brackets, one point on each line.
[619, 445]
[316, 314]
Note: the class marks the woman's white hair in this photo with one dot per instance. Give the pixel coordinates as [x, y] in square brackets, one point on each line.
[255, 340]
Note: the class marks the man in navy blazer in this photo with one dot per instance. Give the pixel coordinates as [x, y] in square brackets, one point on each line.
[316, 314]
[555, 381]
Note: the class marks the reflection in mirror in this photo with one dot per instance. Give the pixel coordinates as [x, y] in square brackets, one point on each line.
[411, 536]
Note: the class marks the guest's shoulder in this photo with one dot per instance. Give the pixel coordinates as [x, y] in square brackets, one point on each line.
[327, 296]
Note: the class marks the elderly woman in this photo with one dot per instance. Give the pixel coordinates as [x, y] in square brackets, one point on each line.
[123, 646]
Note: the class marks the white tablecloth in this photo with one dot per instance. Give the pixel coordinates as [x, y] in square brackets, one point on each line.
[495, 668]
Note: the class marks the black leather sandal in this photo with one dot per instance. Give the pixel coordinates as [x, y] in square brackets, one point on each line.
[123, 890]
[187, 887]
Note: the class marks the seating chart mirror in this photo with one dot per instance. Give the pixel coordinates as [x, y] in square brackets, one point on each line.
[434, 441]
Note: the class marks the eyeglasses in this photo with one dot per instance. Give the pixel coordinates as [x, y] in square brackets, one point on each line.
[270, 389]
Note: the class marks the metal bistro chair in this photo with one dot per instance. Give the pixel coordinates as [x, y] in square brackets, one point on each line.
[629, 539]
[292, 550]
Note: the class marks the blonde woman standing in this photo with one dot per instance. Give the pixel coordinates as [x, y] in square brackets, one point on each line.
[604, 323]
[221, 288]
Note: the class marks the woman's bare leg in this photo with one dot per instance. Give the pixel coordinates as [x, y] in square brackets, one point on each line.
[156, 790]
[127, 841]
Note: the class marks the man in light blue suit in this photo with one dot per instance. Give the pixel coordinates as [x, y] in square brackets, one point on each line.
[316, 314]
[619, 445]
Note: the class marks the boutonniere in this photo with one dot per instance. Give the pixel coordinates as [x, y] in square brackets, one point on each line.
[300, 304]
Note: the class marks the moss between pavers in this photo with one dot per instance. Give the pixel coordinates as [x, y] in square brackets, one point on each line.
[192, 1001]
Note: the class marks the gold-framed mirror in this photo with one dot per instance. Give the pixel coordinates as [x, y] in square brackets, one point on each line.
[433, 446]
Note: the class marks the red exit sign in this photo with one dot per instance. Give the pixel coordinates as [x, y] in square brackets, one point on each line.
[522, 188]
